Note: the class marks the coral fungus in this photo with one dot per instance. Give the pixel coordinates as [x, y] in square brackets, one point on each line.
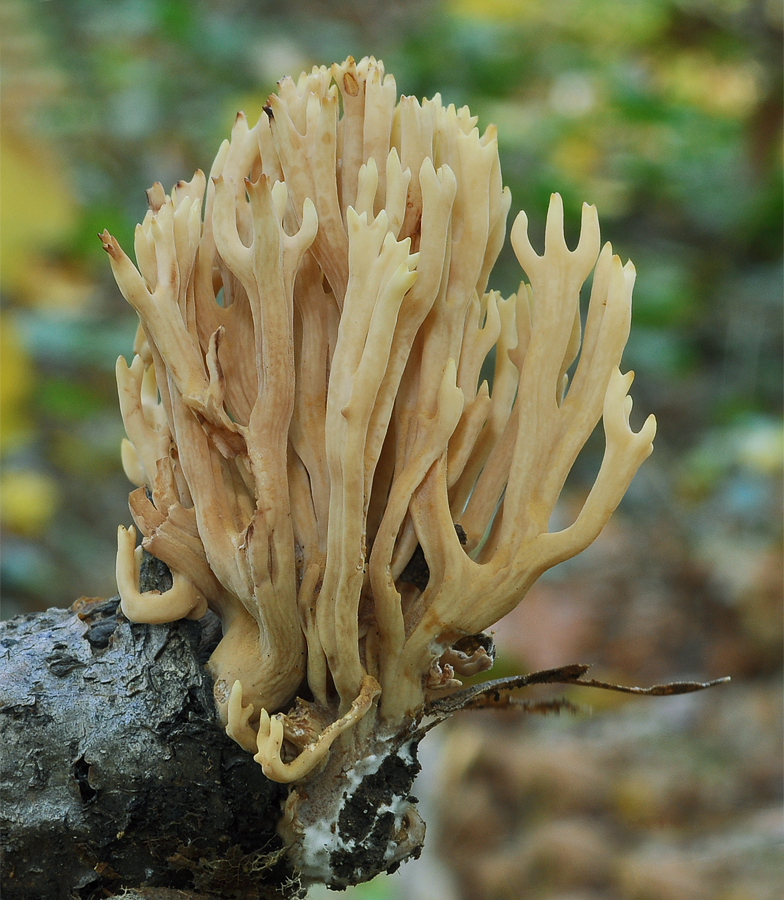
[345, 445]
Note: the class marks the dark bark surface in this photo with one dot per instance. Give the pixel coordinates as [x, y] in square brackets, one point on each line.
[115, 772]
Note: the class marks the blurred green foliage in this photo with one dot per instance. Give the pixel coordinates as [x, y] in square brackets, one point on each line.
[665, 113]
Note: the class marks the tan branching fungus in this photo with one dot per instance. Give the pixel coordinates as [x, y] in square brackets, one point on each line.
[344, 443]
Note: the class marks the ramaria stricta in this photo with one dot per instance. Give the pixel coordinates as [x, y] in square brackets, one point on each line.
[318, 458]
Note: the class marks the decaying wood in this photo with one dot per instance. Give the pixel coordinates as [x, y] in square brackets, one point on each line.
[117, 778]
[115, 771]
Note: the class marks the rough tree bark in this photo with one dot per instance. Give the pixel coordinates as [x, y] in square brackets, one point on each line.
[115, 772]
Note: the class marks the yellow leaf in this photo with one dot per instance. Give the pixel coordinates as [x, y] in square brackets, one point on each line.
[16, 380]
[29, 500]
[37, 211]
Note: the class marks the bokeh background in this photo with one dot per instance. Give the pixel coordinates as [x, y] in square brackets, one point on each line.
[664, 113]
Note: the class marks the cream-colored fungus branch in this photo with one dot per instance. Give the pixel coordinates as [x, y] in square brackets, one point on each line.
[317, 456]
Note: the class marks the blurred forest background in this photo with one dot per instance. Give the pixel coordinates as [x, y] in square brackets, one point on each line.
[664, 113]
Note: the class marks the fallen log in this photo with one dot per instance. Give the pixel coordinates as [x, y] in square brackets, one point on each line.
[115, 771]
[117, 774]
